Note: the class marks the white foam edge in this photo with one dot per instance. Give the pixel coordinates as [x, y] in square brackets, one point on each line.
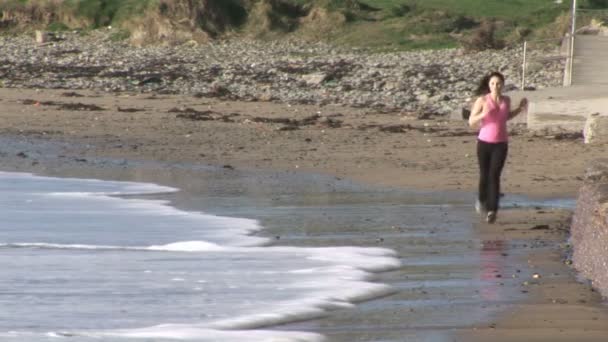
[347, 281]
[240, 328]
[243, 227]
[364, 258]
[130, 188]
[344, 281]
[184, 246]
[315, 305]
[179, 332]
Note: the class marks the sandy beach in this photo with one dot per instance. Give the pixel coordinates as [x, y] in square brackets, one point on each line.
[97, 134]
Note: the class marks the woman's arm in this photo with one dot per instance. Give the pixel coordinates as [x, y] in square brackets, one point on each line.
[476, 113]
[523, 105]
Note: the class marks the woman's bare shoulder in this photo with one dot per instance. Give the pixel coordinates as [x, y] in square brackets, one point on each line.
[480, 100]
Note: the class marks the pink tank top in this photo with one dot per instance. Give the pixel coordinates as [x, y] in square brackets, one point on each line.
[494, 124]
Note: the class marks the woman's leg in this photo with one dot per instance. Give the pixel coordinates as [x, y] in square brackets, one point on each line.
[484, 157]
[497, 162]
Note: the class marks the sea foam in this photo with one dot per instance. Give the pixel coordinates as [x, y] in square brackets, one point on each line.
[84, 262]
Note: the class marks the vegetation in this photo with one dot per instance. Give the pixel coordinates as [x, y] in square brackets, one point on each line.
[596, 4]
[107, 12]
[407, 24]
[376, 24]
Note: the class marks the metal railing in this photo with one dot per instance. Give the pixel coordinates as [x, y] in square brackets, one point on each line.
[568, 71]
[584, 17]
[568, 55]
[579, 16]
[543, 51]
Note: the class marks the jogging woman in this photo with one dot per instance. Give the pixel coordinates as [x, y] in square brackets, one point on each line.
[490, 113]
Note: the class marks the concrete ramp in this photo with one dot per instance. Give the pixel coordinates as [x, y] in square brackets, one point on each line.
[590, 62]
[567, 108]
[564, 109]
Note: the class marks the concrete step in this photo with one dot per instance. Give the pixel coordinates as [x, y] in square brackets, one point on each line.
[590, 38]
[589, 70]
[591, 63]
[588, 78]
[591, 47]
[588, 74]
[588, 61]
[591, 73]
[584, 81]
[598, 46]
[594, 45]
[590, 52]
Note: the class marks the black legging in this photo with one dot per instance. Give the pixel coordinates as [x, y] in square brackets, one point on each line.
[491, 157]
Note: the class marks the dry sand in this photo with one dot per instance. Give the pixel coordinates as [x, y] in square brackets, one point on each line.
[388, 149]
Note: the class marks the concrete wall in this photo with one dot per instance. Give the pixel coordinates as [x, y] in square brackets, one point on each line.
[590, 227]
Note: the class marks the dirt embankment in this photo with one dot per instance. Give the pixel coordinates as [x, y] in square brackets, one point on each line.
[177, 21]
[23, 16]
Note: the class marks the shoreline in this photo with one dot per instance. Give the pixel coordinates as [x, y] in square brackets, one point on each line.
[334, 320]
[372, 148]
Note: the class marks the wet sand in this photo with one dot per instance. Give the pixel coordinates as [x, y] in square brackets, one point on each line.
[131, 133]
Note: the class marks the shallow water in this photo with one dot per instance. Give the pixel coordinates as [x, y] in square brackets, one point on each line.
[139, 267]
[79, 263]
[450, 277]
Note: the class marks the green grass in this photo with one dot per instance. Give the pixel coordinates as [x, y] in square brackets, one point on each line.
[392, 35]
[120, 35]
[107, 12]
[435, 24]
[533, 13]
[502, 9]
[595, 4]
[57, 26]
[415, 24]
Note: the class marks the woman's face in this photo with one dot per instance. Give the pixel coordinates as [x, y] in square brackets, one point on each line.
[495, 84]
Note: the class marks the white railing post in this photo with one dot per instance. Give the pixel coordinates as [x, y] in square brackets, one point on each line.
[523, 67]
[571, 50]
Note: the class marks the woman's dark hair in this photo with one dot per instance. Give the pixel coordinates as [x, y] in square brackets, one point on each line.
[484, 84]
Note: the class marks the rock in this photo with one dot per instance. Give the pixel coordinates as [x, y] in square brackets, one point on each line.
[392, 85]
[43, 37]
[422, 98]
[420, 81]
[596, 129]
[265, 96]
[314, 79]
[589, 227]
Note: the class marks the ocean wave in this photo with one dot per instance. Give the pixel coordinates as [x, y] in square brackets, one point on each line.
[184, 246]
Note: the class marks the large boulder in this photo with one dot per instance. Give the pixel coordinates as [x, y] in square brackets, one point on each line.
[596, 129]
[589, 231]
